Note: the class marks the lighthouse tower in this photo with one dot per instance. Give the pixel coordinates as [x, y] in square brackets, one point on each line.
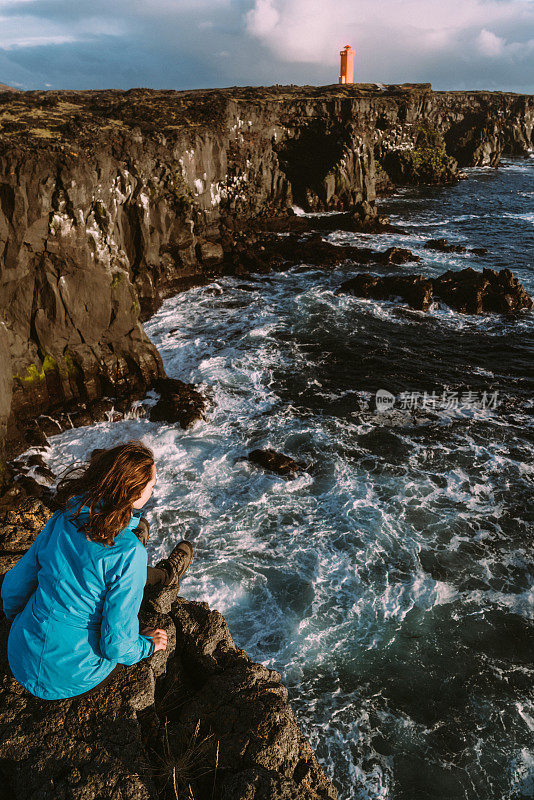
[346, 71]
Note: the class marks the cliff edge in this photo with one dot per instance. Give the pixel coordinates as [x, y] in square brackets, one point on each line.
[111, 201]
[200, 719]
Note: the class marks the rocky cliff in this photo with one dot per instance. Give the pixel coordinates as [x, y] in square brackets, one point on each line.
[110, 201]
[199, 719]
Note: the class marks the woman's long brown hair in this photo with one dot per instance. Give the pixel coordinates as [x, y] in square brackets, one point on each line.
[108, 484]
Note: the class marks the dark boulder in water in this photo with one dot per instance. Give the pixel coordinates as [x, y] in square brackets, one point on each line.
[413, 289]
[274, 461]
[198, 719]
[443, 246]
[479, 251]
[179, 402]
[474, 292]
[466, 290]
[399, 255]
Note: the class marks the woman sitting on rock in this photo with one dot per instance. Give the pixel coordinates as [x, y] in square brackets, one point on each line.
[74, 596]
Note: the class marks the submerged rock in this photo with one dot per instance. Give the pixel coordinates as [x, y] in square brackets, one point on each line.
[467, 290]
[274, 461]
[383, 442]
[359, 220]
[399, 255]
[413, 289]
[200, 719]
[443, 246]
[268, 252]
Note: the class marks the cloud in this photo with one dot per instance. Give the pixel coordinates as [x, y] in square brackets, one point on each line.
[263, 19]
[314, 30]
[35, 41]
[25, 24]
[488, 44]
[201, 43]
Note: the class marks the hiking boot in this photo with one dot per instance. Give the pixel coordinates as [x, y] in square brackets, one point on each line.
[143, 531]
[176, 563]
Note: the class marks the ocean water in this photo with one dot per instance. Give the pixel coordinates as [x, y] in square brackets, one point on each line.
[391, 582]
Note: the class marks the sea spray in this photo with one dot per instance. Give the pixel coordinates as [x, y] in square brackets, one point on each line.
[389, 583]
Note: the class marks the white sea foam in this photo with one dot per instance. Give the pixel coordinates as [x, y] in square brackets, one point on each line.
[527, 217]
[308, 572]
[338, 574]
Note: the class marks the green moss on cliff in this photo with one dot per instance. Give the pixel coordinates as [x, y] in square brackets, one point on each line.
[427, 162]
[49, 364]
[36, 373]
[380, 172]
[429, 153]
[183, 202]
[340, 179]
[70, 363]
[101, 216]
[178, 192]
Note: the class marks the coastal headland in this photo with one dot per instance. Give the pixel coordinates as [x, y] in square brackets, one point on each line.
[111, 202]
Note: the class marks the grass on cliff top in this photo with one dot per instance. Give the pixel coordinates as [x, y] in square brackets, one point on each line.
[80, 116]
[155, 110]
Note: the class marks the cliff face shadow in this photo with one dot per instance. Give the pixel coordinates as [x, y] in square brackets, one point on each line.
[307, 160]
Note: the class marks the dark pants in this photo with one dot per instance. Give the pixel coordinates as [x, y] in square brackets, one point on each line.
[117, 669]
[154, 576]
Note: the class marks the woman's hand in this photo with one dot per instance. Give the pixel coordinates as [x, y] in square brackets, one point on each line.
[158, 635]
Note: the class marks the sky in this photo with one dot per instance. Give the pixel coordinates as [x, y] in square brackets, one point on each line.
[183, 44]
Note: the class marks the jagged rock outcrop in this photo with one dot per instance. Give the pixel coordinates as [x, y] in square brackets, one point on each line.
[425, 160]
[179, 402]
[466, 290]
[417, 138]
[443, 246]
[110, 201]
[200, 719]
[264, 253]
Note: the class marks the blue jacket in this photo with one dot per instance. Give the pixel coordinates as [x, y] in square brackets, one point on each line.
[74, 605]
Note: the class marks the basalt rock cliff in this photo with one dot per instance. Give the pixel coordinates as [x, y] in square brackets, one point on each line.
[199, 719]
[111, 201]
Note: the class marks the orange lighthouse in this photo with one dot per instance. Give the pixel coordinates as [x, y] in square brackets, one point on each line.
[346, 71]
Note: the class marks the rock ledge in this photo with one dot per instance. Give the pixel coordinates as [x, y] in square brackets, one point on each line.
[199, 720]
